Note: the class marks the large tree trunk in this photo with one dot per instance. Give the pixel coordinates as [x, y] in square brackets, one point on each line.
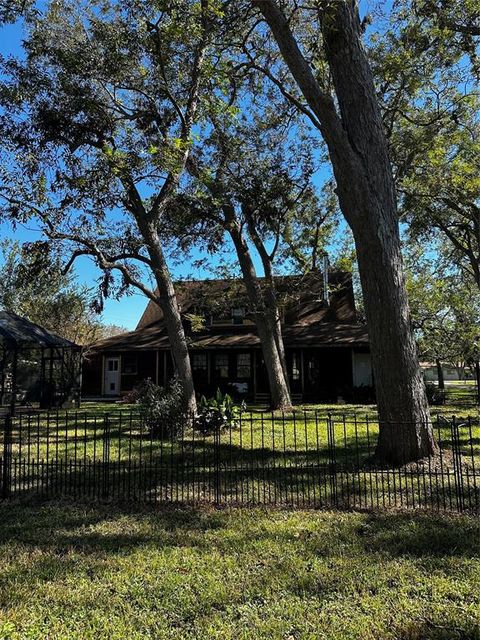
[358, 151]
[275, 323]
[278, 381]
[270, 294]
[167, 300]
[405, 430]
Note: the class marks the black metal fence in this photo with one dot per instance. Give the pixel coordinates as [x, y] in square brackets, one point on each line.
[301, 459]
[461, 395]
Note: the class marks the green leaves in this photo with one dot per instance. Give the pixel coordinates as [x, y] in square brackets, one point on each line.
[431, 108]
[445, 309]
[32, 284]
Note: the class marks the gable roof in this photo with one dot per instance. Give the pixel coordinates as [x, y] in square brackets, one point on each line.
[16, 331]
[301, 295]
[308, 320]
[320, 334]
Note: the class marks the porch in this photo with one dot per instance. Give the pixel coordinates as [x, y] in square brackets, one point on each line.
[325, 374]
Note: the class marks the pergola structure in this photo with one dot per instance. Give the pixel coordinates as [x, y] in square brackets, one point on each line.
[36, 367]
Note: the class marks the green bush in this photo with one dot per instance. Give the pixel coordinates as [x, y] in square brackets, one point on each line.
[163, 410]
[435, 396]
[216, 414]
[364, 394]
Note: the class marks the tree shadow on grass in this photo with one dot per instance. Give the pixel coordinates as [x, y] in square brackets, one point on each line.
[420, 535]
[64, 524]
[60, 523]
[58, 541]
[229, 474]
[63, 541]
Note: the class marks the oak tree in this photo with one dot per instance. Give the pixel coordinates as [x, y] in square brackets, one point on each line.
[98, 122]
[335, 90]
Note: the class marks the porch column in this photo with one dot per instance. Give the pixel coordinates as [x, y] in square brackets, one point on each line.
[157, 365]
[302, 372]
[254, 375]
[13, 399]
[103, 376]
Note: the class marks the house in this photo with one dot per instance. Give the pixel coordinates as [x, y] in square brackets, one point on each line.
[450, 372]
[327, 348]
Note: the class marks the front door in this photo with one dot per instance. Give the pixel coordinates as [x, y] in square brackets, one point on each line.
[112, 376]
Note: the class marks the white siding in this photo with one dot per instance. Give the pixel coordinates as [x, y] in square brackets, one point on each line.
[362, 370]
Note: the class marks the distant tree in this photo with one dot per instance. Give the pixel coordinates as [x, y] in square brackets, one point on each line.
[307, 235]
[33, 286]
[430, 106]
[251, 179]
[445, 314]
[441, 193]
[110, 330]
[251, 183]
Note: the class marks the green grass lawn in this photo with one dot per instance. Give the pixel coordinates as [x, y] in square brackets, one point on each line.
[76, 572]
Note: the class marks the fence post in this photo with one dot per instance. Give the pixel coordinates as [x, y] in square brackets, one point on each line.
[105, 454]
[457, 464]
[332, 458]
[7, 457]
[216, 446]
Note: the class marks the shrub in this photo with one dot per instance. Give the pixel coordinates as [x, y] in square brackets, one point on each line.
[435, 395]
[131, 397]
[163, 410]
[216, 414]
[364, 394]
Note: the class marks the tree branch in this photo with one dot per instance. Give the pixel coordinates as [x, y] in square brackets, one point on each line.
[320, 102]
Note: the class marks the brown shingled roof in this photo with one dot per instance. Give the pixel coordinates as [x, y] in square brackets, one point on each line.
[301, 295]
[308, 320]
[326, 334]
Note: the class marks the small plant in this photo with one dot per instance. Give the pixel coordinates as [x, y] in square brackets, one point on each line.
[163, 410]
[363, 394]
[435, 396]
[216, 414]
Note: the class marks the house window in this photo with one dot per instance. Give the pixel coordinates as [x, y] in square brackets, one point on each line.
[199, 362]
[130, 365]
[295, 367]
[243, 365]
[221, 366]
[313, 370]
[238, 315]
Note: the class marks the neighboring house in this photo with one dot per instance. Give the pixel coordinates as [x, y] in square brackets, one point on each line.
[450, 372]
[327, 348]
